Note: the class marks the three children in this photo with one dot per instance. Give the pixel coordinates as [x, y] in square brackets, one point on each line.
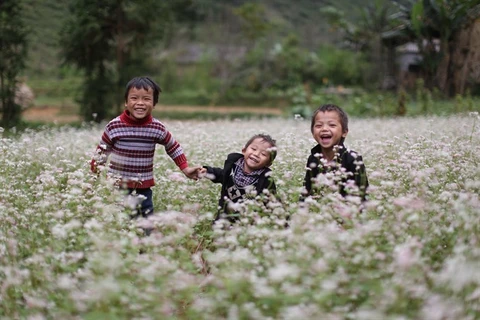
[129, 142]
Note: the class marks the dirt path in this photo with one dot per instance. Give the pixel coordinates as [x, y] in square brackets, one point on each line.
[49, 114]
[56, 114]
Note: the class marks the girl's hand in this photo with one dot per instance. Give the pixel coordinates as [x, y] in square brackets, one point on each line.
[202, 173]
[192, 172]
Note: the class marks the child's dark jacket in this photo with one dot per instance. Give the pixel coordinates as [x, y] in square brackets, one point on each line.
[225, 177]
[347, 159]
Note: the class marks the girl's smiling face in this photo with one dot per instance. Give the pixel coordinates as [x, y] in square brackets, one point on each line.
[257, 155]
[139, 102]
[327, 129]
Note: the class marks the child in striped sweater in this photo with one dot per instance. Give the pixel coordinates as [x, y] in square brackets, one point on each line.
[129, 141]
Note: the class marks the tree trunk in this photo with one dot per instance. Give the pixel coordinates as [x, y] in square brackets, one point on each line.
[442, 74]
[11, 111]
[465, 58]
[391, 80]
[475, 52]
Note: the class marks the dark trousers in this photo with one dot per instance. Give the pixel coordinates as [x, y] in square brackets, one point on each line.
[146, 207]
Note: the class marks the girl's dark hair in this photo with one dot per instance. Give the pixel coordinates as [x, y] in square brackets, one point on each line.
[144, 83]
[331, 107]
[266, 138]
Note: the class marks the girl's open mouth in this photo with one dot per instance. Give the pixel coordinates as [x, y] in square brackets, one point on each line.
[326, 139]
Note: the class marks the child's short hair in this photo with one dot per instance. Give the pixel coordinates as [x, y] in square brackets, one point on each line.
[144, 83]
[267, 138]
[331, 107]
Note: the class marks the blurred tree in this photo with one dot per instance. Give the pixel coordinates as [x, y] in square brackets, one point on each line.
[464, 59]
[255, 24]
[289, 64]
[365, 35]
[13, 52]
[254, 27]
[109, 40]
[237, 30]
[429, 21]
[450, 18]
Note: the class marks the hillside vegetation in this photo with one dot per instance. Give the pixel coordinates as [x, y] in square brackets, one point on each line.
[291, 55]
[45, 18]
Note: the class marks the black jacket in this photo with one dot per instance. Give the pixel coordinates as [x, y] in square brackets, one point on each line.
[348, 159]
[224, 176]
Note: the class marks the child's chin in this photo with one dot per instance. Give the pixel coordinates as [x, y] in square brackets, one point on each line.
[326, 145]
[326, 142]
[251, 169]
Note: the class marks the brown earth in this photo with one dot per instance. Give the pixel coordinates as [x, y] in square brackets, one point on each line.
[56, 114]
[48, 114]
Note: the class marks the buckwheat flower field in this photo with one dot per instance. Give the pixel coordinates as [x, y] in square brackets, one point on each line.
[68, 249]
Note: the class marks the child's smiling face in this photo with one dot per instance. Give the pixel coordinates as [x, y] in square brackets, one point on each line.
[257, 155]
[139, 102]
[327, 129]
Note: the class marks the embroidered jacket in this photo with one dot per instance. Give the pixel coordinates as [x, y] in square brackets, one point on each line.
[130, 145]
[231, 191]
[348, 166]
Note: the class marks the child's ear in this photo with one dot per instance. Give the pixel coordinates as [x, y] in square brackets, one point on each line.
[344, 134]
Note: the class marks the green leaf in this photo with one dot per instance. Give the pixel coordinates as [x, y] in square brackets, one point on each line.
[417, 17]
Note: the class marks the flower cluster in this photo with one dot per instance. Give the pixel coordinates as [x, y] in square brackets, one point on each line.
[68, 248]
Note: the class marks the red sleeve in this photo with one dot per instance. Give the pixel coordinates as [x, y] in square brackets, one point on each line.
[181, 161]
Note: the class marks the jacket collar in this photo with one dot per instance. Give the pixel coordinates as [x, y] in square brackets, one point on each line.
[128, 119]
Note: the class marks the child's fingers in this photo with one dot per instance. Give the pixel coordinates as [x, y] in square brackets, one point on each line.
[202, 172]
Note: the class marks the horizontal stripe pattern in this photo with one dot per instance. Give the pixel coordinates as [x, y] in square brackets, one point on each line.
[131, 149]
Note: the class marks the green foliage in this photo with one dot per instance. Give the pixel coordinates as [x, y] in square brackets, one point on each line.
[186, 84]
[360, 103]
[287, 65]
[362, 33]
[281, 67]
[84, 42]
[126, 39]
[426, 21]
[59, 87]
[13, 52]
[423, 96]
[416, 17]
[301, 106]
[109, 43]
[342, 67]
[44, 19]
[253, 14]
[209, 115]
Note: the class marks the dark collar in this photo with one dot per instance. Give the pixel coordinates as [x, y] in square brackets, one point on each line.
[318, 149]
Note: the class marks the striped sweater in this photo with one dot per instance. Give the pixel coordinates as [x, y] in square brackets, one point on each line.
[130, 145]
